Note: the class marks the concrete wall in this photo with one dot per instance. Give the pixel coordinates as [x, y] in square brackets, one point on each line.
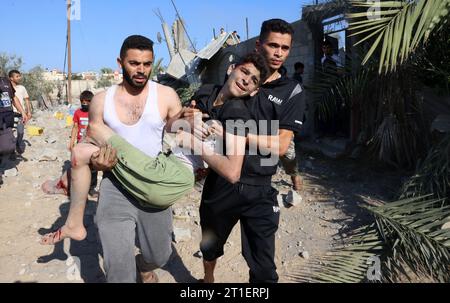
[302, 50]
[78, 86]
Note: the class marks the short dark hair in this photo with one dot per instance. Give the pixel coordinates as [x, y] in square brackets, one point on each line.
[86, 95]
[299, 65]
[275, 26]
[259, 62]
[13, 72]
[136, 42]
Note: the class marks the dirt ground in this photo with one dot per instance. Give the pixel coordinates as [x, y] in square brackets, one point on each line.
[333, 191]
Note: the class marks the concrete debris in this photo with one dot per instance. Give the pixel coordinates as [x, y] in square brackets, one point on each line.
[293, 198]
[304, 255]
[11, 173]
[181, 235]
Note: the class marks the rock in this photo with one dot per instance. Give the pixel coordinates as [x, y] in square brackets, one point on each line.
[47, 155]
[293, 198]
[50, 140]
[304, 255]
[22, 272]
[446, 225]
[178, 212]
[181, 235]
[198, 254]
[11, 173]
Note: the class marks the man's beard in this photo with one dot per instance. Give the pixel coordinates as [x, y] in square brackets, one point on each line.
[127, 78]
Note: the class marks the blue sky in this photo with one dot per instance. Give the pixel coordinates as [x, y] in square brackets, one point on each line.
[36, 29]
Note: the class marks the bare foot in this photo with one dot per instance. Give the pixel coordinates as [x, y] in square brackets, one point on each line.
[64, 232]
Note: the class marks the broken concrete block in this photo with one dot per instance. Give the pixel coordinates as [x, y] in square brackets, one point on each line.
[293, 198]
[198, 254]
[446, 225]
[11, 173]
[181, 235]
[304, 255]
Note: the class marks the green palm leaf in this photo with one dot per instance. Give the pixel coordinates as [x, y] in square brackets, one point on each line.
[398, 28]
[407, 234]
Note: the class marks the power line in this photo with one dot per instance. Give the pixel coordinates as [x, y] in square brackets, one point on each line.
[182, 23]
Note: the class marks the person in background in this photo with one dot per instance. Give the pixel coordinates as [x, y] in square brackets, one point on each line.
[21, 93]
[80, 124]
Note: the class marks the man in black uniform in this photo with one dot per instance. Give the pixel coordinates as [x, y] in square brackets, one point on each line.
[252, 200]
[7, 101]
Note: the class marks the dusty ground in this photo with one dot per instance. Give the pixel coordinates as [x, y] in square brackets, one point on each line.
[329, 209]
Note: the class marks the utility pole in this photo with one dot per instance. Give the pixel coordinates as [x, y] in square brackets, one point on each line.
[69, 54]
[246, 26]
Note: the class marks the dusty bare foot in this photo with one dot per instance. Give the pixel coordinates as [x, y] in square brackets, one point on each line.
[297, 183]
[64, 232]
[149, 277]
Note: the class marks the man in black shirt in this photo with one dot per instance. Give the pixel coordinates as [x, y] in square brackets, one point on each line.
[278, 109]
[7, 101]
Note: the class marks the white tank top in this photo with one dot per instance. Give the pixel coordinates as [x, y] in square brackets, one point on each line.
[147, 133]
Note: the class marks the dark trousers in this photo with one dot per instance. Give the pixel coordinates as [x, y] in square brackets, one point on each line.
[256, 207]
[94, 175]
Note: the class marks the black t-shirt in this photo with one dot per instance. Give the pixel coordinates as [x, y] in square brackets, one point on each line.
[233, 115]
[282, 101]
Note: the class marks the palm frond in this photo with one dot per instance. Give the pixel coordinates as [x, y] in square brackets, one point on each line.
[432, 175]
[407, 236]
[397, 27]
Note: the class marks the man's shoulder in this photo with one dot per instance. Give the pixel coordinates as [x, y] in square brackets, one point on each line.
[20, 88]
[100, 96]
[164, 89]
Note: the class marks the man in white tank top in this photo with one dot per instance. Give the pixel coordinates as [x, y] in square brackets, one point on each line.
[137, 111]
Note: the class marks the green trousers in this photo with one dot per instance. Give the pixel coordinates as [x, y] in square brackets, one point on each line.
[155, 182]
